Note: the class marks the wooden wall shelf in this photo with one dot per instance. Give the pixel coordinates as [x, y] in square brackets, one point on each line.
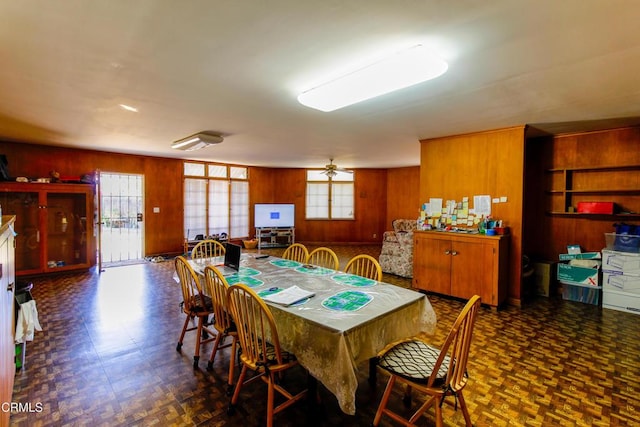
[613, 183]
[596, 216]
[597, 168]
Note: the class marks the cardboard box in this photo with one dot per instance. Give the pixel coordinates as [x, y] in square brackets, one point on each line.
[583, 255]
[616, 281]
[572, 274]
[623, 262]
[621, 301]
[584, 294]
[544, 277]
[596, 207]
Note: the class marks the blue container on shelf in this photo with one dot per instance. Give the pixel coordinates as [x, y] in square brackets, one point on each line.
[627, 238]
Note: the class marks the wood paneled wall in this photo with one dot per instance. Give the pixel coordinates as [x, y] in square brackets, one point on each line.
[162, 183]
[403, 194]
[484, 163]
[163, 189]
[289, 186]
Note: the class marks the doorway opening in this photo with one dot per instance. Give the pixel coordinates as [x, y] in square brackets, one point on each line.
[121, 219]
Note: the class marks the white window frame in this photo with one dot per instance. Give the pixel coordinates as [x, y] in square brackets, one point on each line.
[216, 199]
[330, 197]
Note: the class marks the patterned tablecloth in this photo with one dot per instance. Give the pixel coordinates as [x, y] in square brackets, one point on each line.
[348, 321]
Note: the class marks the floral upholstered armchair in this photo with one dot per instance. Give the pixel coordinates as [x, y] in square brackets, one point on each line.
[396, 256]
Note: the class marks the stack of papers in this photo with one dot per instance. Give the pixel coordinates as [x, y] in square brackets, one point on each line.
[289, 296]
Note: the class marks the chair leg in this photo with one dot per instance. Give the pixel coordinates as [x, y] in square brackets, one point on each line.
[232, 364]
[423, 408]
[438, 407]
[463, 407]
[384, 400]
[196, 355]
[270, 399]
[236, 392]
[184, 331]
[214, 351]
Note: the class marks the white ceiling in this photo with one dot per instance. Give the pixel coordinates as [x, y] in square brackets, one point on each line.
[236, 67]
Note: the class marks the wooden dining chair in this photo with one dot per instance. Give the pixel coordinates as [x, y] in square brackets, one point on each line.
[365, 266]
[296, 252]
[438, 373]
[207, 249]
[216, 287]
[261, 351]
[323, 257]
[195, 305]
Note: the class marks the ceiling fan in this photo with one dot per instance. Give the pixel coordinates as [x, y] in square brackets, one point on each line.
[332, 170]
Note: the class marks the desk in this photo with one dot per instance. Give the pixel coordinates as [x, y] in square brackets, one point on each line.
[329, 342]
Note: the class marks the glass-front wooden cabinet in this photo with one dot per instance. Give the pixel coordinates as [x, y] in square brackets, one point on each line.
[54, 225]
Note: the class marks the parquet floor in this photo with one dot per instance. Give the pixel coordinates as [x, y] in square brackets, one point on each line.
[107, 357]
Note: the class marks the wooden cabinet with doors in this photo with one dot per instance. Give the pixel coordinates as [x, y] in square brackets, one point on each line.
[7, 288]
[54, 225]
[462, 265]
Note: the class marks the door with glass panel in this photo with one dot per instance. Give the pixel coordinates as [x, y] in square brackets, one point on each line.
[121, 218]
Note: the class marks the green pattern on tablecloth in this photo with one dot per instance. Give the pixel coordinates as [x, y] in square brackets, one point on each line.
[248, 271]
[353, 280]
[347, 301]
[285, 263]
[315, 270]
[250, 281]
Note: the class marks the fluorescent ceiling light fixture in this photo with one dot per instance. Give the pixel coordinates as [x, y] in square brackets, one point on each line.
[197, 141]
[129, 108]
[400, 70]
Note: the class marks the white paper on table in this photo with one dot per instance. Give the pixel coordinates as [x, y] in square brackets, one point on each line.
[289, 296]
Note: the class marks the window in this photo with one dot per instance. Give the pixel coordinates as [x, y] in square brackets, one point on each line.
[330, 197]
[216, 200]
[195, 202]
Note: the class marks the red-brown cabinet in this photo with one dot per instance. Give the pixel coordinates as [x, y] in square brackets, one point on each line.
[54, 225]
[462, 265]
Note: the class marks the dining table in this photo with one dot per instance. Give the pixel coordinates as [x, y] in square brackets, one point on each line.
[346, 322]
